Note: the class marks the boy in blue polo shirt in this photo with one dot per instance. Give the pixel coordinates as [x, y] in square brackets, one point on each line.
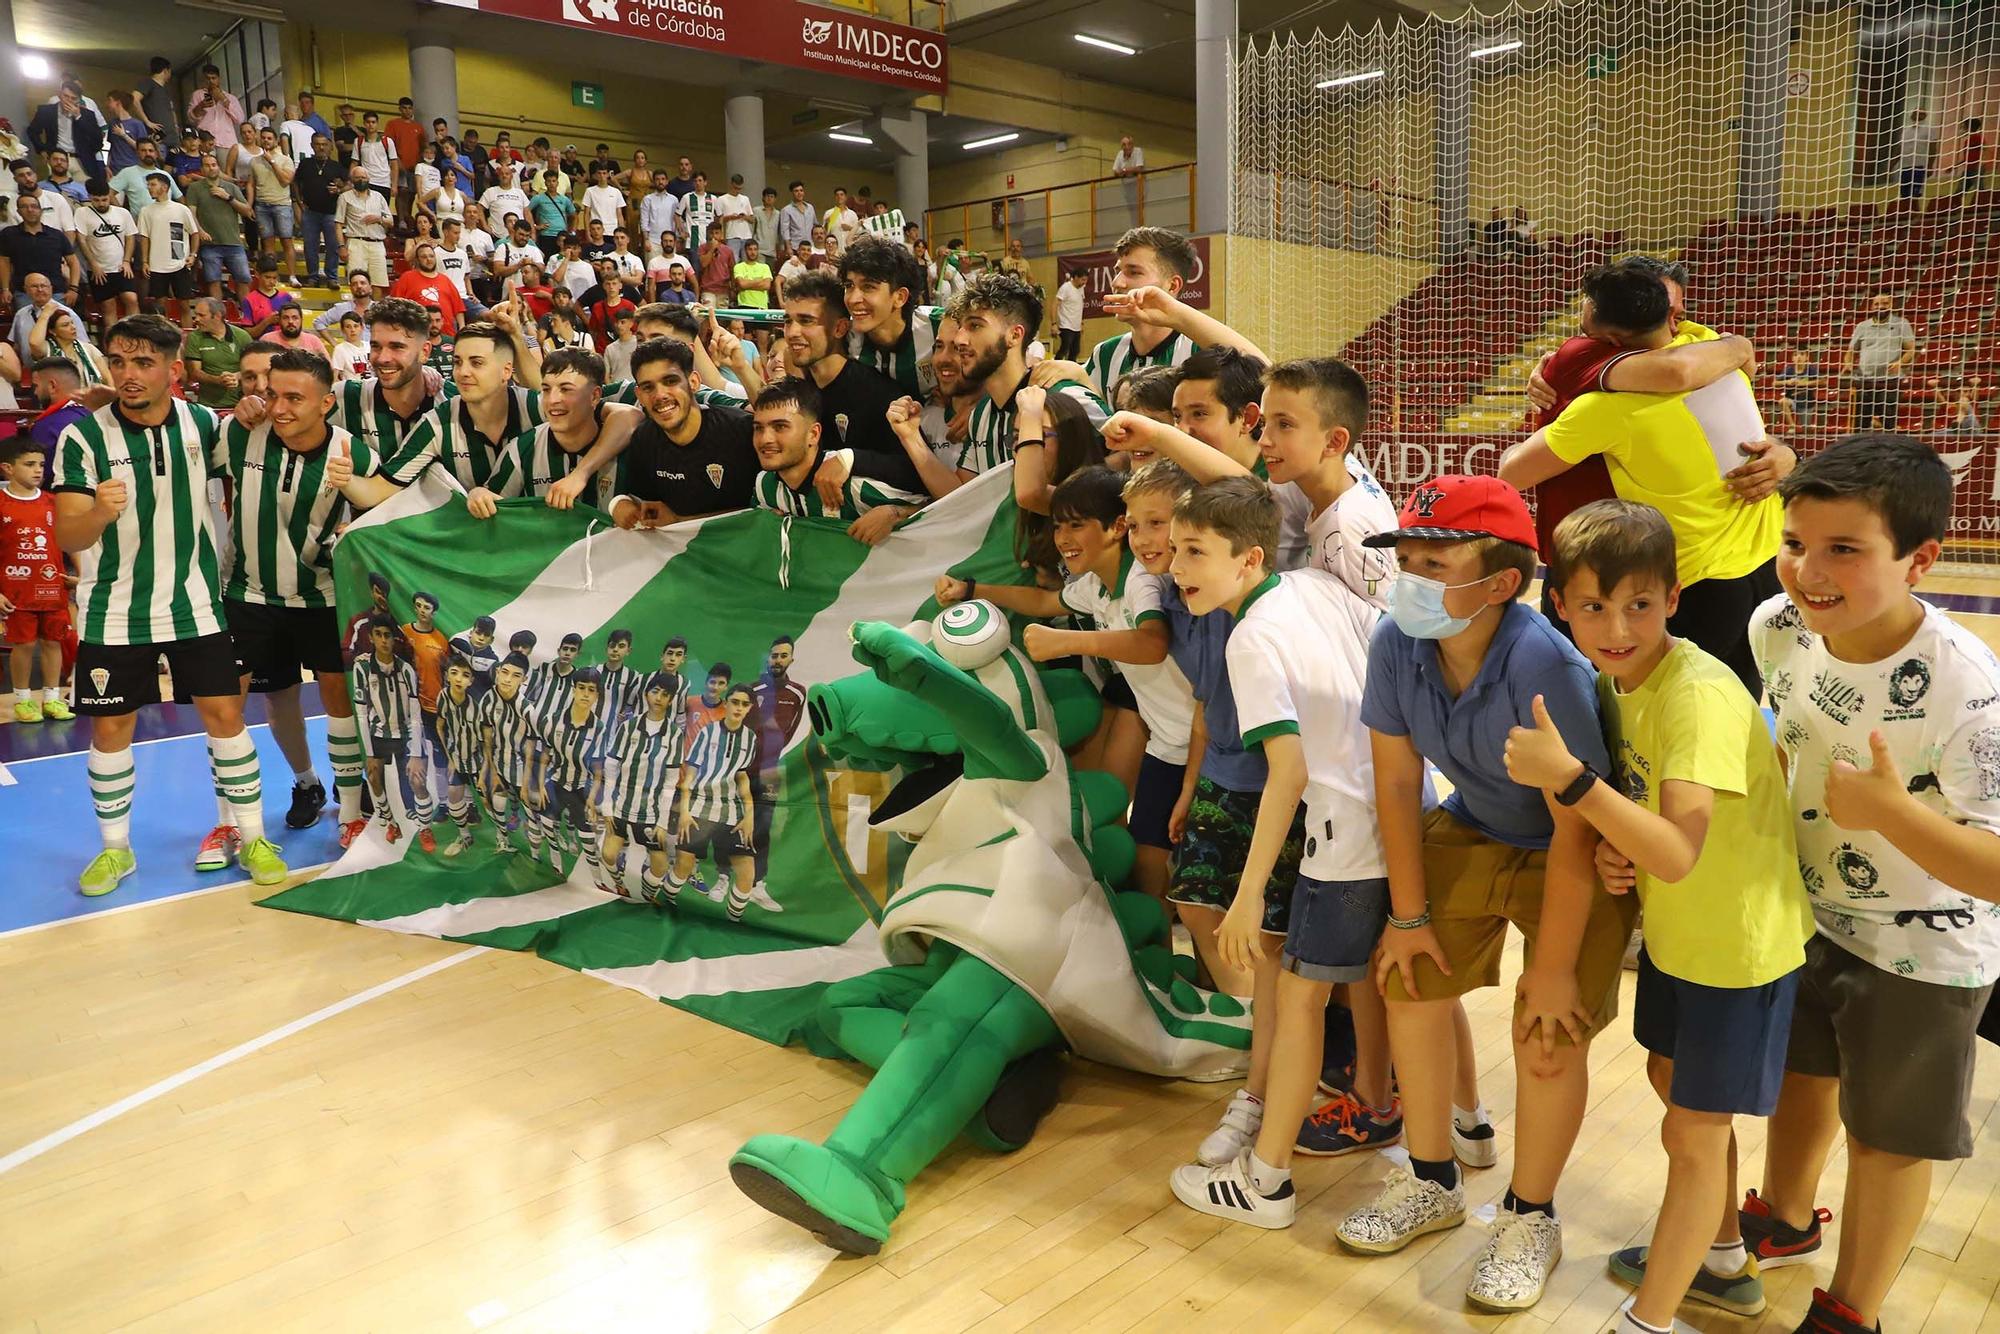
[1452, 670]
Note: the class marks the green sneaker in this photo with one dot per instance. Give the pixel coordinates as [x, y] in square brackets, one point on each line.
[1741, 1292]
[260, 857]
[27, 710]
[106, 869]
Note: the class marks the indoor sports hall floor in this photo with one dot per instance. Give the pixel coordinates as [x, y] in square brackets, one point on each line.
[216, 1117]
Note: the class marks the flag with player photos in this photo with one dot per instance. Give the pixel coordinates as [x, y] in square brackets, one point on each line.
[752, 599]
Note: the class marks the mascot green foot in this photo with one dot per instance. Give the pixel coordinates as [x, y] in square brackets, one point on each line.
[1008, 942]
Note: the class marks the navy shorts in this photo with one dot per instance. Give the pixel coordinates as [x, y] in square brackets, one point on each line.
[1118, 694]
[1153, 798]
[1334, 928]
[1727, 1043]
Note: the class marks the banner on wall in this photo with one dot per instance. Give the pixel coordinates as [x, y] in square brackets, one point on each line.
[784, 32]
[730, 589]
[1102, 264]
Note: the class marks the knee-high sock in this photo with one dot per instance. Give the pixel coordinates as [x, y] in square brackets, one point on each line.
[111, 783]
[234, 761]
[343, 750]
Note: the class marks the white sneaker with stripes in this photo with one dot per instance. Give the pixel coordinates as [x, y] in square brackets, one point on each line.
[1227, 1192]
[1241, 1121]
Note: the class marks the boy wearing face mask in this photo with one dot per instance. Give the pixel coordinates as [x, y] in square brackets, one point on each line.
[1454, 667]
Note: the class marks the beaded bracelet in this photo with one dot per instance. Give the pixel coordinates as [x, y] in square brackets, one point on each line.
[1410, 923]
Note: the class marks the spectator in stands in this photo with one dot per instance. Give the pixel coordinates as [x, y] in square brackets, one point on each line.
[625, 341]
[635, 180]
[627, 265]
[1918, 155]
[61, 181]
[295, 135]
[349, 353]
[764, 222]
[271, 174]
[697, 216]
[1972, 156]
[1798, 386]
[265, 298]
[213, 354]
[510, 255]
[752, 277]
[345, 135]
[602, 315]
[291, 331]
[1015, 262]
[156, 101]
[55, 204]
[552, 211]
[319, 179]
[168, 236]
[361, 225]
[677, 286]
[56, 384]
[505, 200]
[29, 249]
[107, 237]
[425, 233]
[1879, 351]
[666, 259]
[66, 125]
[841, 222]
[130, 182]
[215, 110]
[733, 216]
[1130, 159]
[1960, 408]
[220, 207]
[531, 289]
[428, 286]
[1069, 315]
[123, 129]
[718, 271]
[658, 213]
[359, 301]
[57, 332]
[796, 220]
[376, 155]
[683, 179]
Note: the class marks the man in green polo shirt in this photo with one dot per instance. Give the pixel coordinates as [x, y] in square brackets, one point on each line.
[213, 354]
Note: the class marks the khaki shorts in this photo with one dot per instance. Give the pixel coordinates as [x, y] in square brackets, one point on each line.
[1477, 886]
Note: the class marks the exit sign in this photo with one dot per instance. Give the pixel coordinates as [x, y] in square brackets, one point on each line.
[587, 95]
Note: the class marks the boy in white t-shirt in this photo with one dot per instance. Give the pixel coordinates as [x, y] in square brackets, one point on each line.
[350, 354]
[1297, 664]
[1313, 412]
[1888, 715]
[1124, 604]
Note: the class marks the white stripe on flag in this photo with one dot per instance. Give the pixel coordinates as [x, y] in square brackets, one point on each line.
[494, 914]
[431, 491]
[677, 979]
[586, 587]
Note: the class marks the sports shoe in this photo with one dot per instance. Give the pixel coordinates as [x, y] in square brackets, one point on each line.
[1241, 1120]
[459, 844]
[218, 849]
[719, 891]
[27, 710]
[106, 869]
[351, 830]
[308, 800]
[261, 858]
[1477, 1147]
[1830, 1315]
[1742, 1292]
[57, 710]
[1335, 1080]
[1774, 1242]
[762, 898]
[1227, 1192]
[554, 845]
[1345, 1126]
[1404, 1209]
[1517, 1262]
[426, 839]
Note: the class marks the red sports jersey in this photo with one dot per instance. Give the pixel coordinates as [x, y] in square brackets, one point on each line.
[433, 291]
[1577, 368]
[31, 568]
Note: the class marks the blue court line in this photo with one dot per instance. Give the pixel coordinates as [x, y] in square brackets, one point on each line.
[51, 832]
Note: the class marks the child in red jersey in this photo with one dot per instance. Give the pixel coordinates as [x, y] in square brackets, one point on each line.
[33, 596]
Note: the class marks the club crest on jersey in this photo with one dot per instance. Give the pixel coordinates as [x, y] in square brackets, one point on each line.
[100, 679]
[715, 475]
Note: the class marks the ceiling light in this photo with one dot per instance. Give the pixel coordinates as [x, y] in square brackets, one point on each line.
[1497, 49]
[34, 66]
[850, 138]
[991, 140]
[1346, 79]
[1103, 45]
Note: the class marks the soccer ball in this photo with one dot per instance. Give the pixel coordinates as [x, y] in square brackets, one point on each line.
[971, 634]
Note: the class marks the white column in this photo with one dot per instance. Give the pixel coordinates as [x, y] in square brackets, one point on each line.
[1214, 36]
[13, 95]
[909, 133]
[434, 79]
[743, 140]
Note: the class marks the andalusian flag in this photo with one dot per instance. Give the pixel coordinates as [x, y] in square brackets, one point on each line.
[729, 586]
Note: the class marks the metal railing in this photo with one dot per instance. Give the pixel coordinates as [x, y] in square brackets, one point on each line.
[1079, 215]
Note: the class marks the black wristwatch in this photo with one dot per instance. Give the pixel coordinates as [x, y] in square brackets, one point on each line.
[1579, 785]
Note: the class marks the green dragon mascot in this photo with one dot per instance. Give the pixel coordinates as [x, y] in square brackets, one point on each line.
[1007, 941]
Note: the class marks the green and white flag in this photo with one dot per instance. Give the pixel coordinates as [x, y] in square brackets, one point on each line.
[728, 586]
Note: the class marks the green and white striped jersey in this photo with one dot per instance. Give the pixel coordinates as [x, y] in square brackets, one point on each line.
[282, 526]
[548, 690]
[989, 434]
[359, 410]
[574, 751]
[535, 460]
[716, 757]
[154, 575]
[697, 217]
[860, 495]
[505, 728]
[620, 690]
[458, 731]
[1114, 359]
[446, 437]
[649, 755]
[908, 362]
[385, 698]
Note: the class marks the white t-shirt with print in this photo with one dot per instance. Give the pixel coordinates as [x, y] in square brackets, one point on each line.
[454, 265]
[1936, 701]
[1298, 662]
[1334, 536]
[1166, 701]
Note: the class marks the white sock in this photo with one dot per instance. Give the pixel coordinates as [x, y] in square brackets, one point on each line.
[1468, 1118]
[1256, 1103]
[225, 810]
[304, 777]
[1266, 1178]
[51, 694]
[343, 751]
[111, 793]
[1631, 1324]
[237, 785]
[1726, 1259]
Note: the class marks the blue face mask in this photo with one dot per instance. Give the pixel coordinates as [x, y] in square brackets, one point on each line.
[1417, 604]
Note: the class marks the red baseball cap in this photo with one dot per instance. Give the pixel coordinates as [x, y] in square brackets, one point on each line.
[1455, 508]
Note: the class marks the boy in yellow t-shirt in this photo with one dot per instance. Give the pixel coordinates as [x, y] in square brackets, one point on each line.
[1695, 817]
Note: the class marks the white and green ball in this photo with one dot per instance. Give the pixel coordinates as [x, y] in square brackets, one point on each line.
[971, 634]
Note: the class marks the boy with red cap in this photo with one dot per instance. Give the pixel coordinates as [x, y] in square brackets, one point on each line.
[1453, 668]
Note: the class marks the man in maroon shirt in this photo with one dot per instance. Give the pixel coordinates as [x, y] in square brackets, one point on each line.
[780, 704]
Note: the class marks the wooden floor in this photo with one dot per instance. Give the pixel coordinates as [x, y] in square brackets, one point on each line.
[503, 1144]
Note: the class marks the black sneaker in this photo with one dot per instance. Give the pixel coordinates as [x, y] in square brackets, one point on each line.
[1775, 1242]
[308, 800]
[1025, 1092]
[1829, 1315]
